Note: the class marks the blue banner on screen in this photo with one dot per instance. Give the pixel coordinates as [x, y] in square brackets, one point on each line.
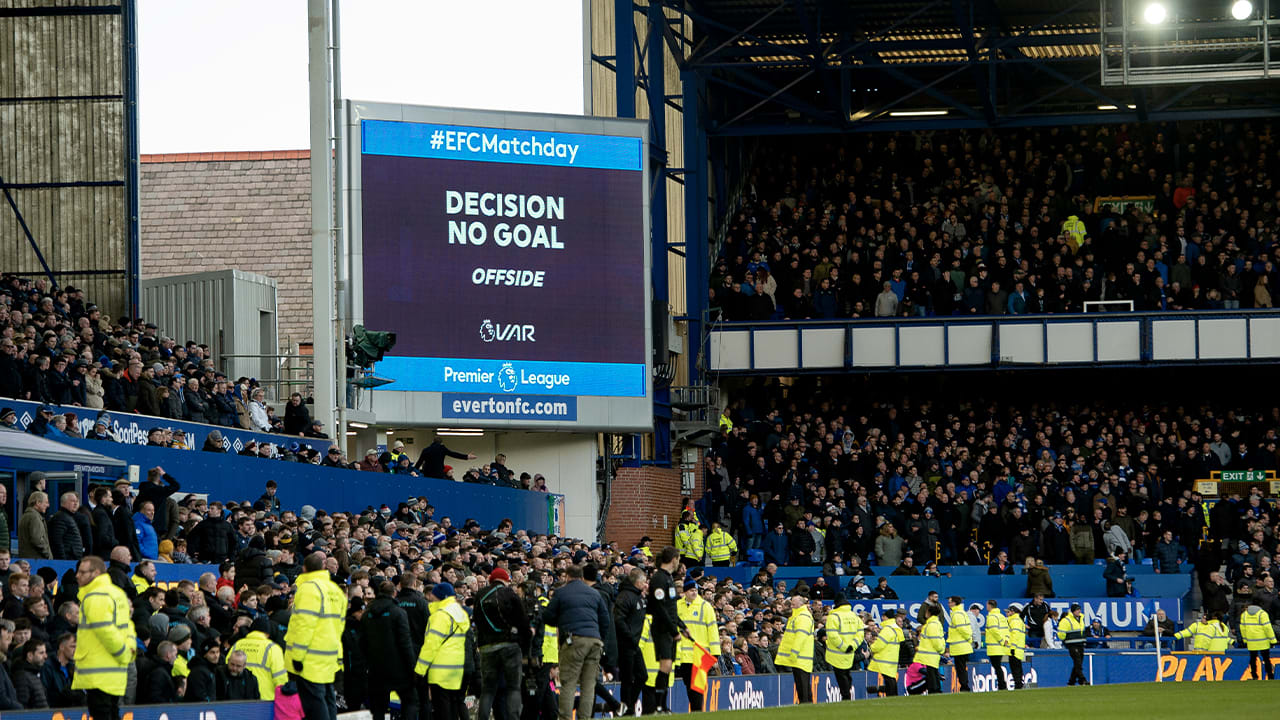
[508, 378]
[480, 406]
[506, 260]
[519, 147]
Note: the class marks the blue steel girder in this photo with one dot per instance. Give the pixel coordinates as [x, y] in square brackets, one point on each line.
[964, 17]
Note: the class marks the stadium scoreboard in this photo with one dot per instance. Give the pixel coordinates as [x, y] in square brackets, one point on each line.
[509, 252]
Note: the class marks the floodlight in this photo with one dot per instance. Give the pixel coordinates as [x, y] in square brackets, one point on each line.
[1241, 9]
[1154, 13]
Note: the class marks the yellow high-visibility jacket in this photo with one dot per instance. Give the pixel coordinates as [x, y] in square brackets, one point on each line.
[1255, 629]
[1071, 630]
[844, 635]
[693, 546]
[997, 634]
[1219, 636]
[140, 584]
[313, 641]
[1197, 632]
[105, 638]
[444, 653]
[931, 645]
[1017, 636]
[960, 634]
[649, 654]
[885, 650]
[265, 660]
[721, 546]
[796, 648]
[700, 619]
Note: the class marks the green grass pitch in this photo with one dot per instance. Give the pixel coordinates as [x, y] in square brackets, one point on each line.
[1165, 701]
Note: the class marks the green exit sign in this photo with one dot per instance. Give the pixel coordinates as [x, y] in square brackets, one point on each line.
[1244, 475]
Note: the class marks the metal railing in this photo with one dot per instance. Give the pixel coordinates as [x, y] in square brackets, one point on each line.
[289, 372]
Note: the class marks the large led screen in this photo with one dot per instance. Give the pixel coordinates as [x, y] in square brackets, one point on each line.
[510, 262]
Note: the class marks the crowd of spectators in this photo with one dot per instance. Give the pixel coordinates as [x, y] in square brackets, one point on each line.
[1012, 486]
[189, 633]
[1005, 222]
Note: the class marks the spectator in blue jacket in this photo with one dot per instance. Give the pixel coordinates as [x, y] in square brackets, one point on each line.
[753, 523]
[148, 541]
[775, 546]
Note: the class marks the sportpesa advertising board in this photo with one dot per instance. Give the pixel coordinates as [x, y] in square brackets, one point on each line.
[509, 253]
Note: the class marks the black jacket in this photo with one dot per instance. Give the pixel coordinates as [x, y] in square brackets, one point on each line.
[384, 638]
[628, 616]
[122, 522]
[499, 617]
[661, 604]
[8, 693]
[202, 681]
[417, 608]
[213, 540]
[119, 573]
[27, 683]
[431, 461]
[243, 687]
[253, 567]
[64, 536]
[104, 532]
[155, 682]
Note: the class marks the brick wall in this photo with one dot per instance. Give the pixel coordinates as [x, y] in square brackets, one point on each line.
[248, 211]
[646, 501]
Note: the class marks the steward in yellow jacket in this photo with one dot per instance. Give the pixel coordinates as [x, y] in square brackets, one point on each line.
[930, 647]
[105, 638]
[1071, 633]
[722, 549]
[997, 638]
[844, 634]
[1258, 636]
[700, 620]
[263, 657]
[1017, 643]
[885, 651]
[796, 649]
[959, 637]
[313, 642]
[444, 652]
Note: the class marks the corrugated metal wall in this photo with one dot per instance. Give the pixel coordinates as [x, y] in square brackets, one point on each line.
[604, 104]
[47, 138]
[223, 309]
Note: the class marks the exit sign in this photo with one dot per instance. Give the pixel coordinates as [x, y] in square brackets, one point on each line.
[1244, 476]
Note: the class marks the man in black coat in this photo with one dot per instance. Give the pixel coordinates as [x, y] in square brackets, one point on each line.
[118, 570]
[213, 540]
[104, 532]
[202, 678]
[235, 682]
[122, 523]
[628, 625]
[503, 635]
[384, 638]
[157, 489]
[155, 678]
[64, 532]
[431, 461]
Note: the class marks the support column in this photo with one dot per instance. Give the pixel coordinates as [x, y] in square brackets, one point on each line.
[319, 77]
[655, 55]
[624, 39]
[696, 224]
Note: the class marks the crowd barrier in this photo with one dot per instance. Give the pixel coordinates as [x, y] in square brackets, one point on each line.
[166, 573]
[230, 477]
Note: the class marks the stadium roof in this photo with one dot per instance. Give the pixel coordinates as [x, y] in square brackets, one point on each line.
[33, 447]
[793, 66]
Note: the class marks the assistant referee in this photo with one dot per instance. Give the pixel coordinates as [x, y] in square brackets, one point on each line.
[666, 623]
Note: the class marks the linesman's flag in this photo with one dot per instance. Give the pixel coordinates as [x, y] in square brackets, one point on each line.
[704, 662]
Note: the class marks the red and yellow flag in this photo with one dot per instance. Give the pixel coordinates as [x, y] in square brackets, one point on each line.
[704, 662]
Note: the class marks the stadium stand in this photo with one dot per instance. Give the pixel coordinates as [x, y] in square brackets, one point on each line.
[1169, 217]
[845, 495]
